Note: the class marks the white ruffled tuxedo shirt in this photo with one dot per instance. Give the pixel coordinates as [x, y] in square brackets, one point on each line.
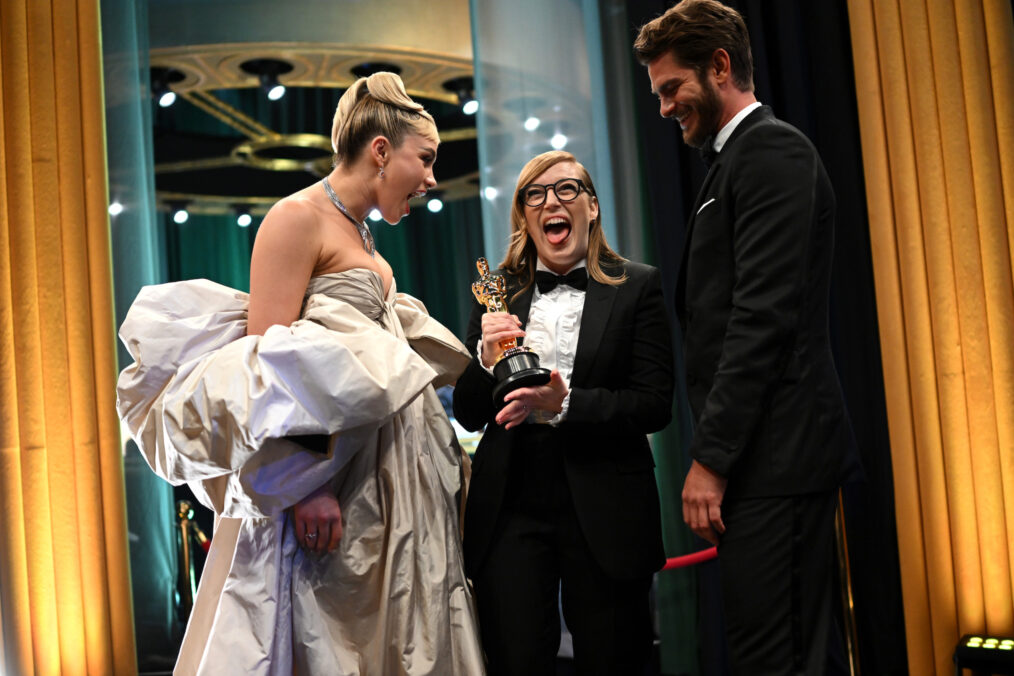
[552, 331]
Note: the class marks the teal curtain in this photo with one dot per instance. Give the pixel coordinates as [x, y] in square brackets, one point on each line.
[433, 257]
[138, 259]
[210, 247]
[675, 590]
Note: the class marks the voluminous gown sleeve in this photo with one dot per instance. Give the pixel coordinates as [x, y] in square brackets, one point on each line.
[212, 407]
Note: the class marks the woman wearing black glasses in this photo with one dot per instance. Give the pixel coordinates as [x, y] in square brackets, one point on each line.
[563, 497]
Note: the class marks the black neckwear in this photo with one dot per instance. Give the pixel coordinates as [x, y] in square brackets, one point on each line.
[547, 281]
[708, 152]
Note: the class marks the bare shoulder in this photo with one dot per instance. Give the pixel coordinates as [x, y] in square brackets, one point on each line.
[292, 215]
[289, 236]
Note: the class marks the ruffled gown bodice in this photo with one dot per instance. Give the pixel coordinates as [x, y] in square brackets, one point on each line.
[214, 408]
[361, 288]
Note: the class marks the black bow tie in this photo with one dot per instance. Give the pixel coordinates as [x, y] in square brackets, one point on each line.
[547, 281]
[708, 152]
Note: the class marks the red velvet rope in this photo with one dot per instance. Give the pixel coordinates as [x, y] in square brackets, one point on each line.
[690, 559]
[670, 564]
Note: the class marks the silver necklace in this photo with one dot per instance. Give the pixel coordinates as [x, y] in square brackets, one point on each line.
[364, 230]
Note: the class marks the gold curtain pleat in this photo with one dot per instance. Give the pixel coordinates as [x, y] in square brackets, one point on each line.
[64, 577]
[935, 89]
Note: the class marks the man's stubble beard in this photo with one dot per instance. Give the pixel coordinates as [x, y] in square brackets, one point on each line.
[709, 110]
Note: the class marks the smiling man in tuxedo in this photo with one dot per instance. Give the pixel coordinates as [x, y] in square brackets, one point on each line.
[771, 429]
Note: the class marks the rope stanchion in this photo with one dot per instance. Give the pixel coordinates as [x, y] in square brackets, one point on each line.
[691, 559]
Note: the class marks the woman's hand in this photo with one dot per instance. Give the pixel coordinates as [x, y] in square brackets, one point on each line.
[521, 402]
[497, 326]
[317, 519]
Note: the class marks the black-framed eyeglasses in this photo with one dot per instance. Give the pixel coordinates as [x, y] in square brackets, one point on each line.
[566, 189]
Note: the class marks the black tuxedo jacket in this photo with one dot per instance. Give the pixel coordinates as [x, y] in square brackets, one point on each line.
[752, 300]
[620, 390]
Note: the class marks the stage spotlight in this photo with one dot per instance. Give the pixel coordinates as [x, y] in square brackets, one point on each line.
[490, 193]
[115, 209]
[161, 79]
[988, 654]
[275, 89]
[532, 123]
[435, 205]
[464, 88]
[180, 213]
[375, 215]
[243, 218]
[559, 141]
[267, 72]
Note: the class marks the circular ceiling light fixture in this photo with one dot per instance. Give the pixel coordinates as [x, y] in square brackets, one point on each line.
[267, 72]
[286, 152]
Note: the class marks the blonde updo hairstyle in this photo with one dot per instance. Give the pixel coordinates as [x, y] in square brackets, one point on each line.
[522, 256]
[373, 106]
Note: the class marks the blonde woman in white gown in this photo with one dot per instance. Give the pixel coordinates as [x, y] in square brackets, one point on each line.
[344, 561]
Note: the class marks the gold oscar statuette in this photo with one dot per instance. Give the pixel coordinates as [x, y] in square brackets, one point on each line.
[517, 366]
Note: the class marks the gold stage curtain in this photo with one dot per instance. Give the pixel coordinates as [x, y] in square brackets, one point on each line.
[935, 88]
[64, 578]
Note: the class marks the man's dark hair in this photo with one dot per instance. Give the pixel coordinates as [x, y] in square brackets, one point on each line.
[692, 30]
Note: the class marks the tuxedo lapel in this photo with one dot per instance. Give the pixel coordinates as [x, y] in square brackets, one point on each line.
[755, 116]
[598, 304]
[681, 279]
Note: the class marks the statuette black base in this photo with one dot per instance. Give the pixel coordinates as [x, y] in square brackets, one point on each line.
[517, 368]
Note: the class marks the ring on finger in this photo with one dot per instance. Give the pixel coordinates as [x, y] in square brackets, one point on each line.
[310, 537]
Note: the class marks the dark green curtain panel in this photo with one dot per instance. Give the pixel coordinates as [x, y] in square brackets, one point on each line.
[209, 247]
[433, 257]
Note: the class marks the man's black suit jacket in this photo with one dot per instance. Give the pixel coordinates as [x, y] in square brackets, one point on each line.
[752, 299]
[620, 390]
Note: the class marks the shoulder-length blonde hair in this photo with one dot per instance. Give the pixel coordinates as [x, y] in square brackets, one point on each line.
[521, 254]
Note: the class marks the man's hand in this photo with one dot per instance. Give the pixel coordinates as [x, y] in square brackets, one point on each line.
[702, 501]
[317, 519]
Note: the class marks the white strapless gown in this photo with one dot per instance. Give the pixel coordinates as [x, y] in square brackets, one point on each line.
[210, 406]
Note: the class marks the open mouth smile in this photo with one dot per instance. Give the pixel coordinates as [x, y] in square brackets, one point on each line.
[681, 118]
[410, 197]
[557, 230]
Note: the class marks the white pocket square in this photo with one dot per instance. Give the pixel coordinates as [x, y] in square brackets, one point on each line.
[705, 204]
